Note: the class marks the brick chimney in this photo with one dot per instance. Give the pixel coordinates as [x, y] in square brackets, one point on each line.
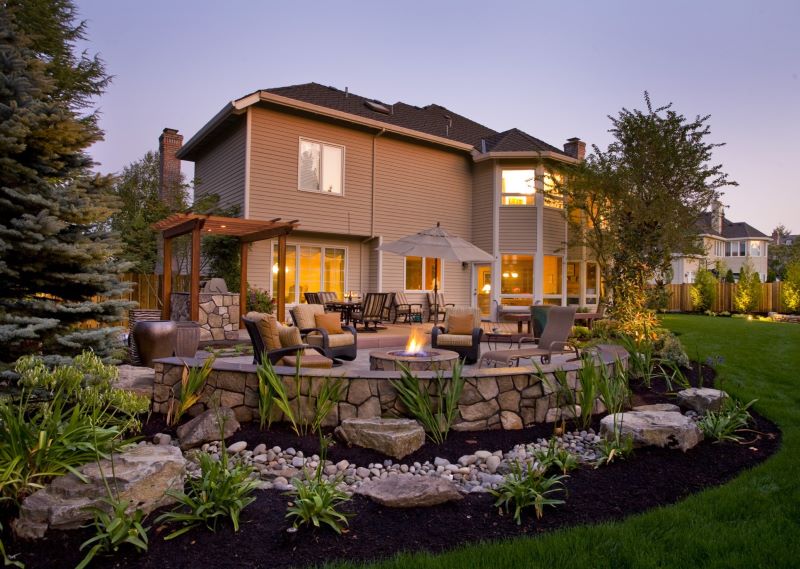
[717, 216]
[575, 147]
[169, 167]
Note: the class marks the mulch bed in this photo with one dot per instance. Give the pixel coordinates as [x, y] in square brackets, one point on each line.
[652, 477]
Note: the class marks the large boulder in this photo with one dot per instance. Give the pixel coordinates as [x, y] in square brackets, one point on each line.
[393, 437]
[658, 428]
[206, 428]
[701, 399]
[142, 476]
[410, 491]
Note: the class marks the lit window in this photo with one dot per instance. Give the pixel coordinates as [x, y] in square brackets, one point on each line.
[518, 187]
[755, 248]
[307, 272]
[552, 277]
[573, 283]
[320, 167]
[554, 190]
[420, 273]
[592, 283]
[516, 280]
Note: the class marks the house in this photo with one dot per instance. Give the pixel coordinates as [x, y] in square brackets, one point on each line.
[357, 172]
[727, 245]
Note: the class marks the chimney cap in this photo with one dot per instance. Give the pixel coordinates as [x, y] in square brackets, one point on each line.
[170, 131]
[574, 139]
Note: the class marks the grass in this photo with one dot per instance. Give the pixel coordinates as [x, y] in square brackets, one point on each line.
[751, 522]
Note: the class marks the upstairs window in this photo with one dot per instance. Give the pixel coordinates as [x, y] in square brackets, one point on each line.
[736, 248]
[518, 187]
[755, 248]
[320, 167]
[554, 190]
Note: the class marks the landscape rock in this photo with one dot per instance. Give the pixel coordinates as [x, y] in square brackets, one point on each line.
[393, 437]
[510, 421]
[657, 428]
[206, 428]
[666, 407]
[410, 492]
[143, 475]
[701, 399]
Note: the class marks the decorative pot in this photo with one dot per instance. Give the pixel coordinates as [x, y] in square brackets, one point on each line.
[155, 339]
[188, 339]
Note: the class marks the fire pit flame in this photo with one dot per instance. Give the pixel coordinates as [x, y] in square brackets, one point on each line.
[415, 347]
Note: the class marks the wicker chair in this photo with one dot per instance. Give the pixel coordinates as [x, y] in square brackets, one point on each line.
[335, 346]
[468, 346]
[408, 310]
[264, 345]
[440, 305]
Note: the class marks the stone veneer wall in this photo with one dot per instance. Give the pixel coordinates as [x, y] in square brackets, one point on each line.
[508, 398]
[219, 314]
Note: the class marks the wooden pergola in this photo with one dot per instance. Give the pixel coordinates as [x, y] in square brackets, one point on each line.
[246, 230]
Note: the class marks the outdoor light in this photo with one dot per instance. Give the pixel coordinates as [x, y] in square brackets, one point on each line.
[275, 269]
[514, 275]
[506, 275]
[486, 289]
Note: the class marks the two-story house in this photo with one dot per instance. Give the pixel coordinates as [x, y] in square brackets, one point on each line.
[357, 173]
[727, 244]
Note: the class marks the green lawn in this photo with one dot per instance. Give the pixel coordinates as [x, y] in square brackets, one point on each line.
[754, 521]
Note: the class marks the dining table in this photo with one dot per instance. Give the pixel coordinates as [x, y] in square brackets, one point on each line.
[346, 307]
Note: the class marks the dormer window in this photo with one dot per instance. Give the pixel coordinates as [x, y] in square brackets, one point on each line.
[320, 167]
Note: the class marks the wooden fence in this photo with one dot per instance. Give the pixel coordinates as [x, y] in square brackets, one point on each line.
[770, 300]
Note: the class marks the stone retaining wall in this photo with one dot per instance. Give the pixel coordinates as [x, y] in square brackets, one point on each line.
[219, 314]
[507, 398]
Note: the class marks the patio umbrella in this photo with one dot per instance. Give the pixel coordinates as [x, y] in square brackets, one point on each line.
[439, 244]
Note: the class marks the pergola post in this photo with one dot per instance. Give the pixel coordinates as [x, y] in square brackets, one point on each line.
[243, 281]
[281, 278]
[194, 291]
[166, 288]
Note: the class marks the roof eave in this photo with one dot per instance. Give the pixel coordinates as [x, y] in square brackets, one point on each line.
[540, 154]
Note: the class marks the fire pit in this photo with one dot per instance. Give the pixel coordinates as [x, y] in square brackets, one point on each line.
[415, 356]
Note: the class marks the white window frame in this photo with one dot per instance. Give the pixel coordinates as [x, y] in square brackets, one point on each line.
[522, 295]
[405, 268]
[296, 247]
[322, 144]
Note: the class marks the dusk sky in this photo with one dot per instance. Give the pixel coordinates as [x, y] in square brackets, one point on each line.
[554, 70]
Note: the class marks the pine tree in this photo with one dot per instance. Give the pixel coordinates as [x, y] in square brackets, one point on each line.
[56, 249]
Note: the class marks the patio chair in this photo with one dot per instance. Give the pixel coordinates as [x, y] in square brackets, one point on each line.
[337, 340]
[460, 333]
[313, 297]
[553, 341]
[371, 311]
[326, 297]
[388, 306]
[441, 306]
[410, 311]
[280, 344]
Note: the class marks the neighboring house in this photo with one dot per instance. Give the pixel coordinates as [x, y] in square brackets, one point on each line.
[785, 239]
[728, 245]
[356, 173]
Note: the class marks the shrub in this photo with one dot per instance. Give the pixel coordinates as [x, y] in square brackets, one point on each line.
[748, 290]
[315, 501]
[704, 291]
[113, 529]
[192, 382]
[260, 300]
[272, 392]
[526, 487]
[589, 379]
[669, 349]
[556, 457]
[437, 414]
[221, 492]
[790, 291]
[610, 450]
[722, 425]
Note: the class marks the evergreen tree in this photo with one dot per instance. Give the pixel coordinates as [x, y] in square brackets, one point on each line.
[56, 251]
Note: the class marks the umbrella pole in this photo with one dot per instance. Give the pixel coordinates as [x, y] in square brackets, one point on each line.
[436, 290]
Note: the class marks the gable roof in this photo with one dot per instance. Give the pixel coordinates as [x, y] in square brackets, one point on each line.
[434, 122]
[730, 229]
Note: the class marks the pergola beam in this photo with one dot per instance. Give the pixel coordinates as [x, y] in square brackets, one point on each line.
[183, 228]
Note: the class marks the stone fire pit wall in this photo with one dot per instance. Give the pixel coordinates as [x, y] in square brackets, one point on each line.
[495, 398]
[219, 314]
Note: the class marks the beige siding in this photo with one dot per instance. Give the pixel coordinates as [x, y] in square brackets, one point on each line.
[221, 170]
[416, 186]
[518, 228]
[483, 187]
[554, 232]
[273, 174]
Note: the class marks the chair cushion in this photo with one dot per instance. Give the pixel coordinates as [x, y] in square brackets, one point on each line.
[315, 361]
[459, 324]
[304, 315]
[289, 336]
[454, 340]
[334, 340]
[267, 325]
[331, 322]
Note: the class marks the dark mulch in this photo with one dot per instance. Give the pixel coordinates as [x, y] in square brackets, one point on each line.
[651, 478]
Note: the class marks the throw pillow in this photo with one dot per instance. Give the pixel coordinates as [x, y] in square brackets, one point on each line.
[289, 335]
[459, 324]
[330, 322]
[268, 328]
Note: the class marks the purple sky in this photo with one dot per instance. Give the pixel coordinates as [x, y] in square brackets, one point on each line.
[552, 69]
